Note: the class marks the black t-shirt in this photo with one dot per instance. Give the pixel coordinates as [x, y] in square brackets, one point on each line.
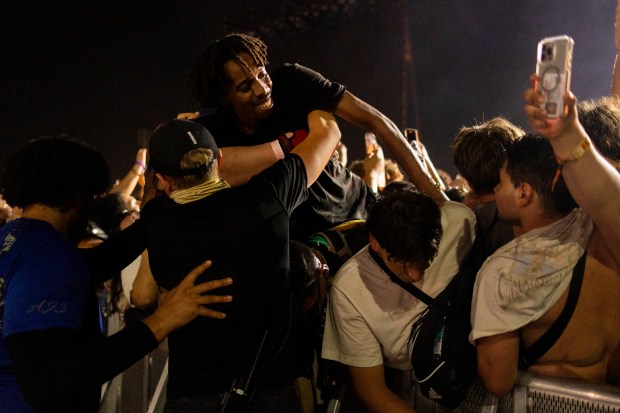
[338, 195]
[245, 232]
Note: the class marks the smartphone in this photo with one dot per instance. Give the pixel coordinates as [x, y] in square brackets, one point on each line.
[413, 138]
[411, 135]
[553, 68]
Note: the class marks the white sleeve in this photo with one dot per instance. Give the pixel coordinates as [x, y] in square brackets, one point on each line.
[347, 338]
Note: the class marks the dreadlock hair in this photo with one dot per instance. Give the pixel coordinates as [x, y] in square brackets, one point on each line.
[208, 81]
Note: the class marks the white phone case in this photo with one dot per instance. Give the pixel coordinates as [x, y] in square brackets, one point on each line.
[553, 67]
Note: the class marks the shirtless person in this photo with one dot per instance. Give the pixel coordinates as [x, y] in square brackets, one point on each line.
[516, 304]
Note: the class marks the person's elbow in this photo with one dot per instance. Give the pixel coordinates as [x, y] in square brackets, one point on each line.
[496, 382]
[142, 299]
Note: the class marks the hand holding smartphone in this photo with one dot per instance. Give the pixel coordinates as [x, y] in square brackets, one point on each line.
[553, 68]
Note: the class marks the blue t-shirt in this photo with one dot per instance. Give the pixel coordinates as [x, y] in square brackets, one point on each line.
[44, 284]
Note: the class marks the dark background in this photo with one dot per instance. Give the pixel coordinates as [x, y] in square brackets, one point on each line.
[102, 71]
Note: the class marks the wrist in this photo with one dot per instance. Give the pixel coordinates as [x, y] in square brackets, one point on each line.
[570, 141]
[138, 168]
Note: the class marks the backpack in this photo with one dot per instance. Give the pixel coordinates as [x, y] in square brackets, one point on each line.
[442, 359]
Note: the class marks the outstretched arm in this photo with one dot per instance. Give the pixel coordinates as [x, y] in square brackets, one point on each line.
[362, 114]
[243, 162]
[592, 181]
[56, 366]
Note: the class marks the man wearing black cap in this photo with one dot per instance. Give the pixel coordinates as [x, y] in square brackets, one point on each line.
[245, 232]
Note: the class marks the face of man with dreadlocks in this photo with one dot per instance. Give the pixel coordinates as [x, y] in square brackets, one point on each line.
[249, 92]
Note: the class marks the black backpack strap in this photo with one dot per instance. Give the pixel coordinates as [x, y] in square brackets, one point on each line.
[410, 288]
[529, 356]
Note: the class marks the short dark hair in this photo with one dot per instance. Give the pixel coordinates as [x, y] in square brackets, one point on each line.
[407, 224]
[479, 152]
[53, 171]
[531, 160]
[601, 120]
[398, 186]
[208, 81]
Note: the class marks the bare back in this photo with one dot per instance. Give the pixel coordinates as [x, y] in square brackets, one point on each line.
[584, 349]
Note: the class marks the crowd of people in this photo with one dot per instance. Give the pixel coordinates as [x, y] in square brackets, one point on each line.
[258, 252]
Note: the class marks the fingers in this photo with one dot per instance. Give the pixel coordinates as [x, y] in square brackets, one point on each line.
[195, 273]
[205, 312]
[212, 285]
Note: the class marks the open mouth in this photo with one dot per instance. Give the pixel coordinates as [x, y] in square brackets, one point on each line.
[266, 104]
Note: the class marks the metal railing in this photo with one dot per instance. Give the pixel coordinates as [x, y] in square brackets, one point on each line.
[535, 394]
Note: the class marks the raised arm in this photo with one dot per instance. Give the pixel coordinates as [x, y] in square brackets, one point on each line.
[319, 145]
[362, 114]
[127, 185]
[593, 182]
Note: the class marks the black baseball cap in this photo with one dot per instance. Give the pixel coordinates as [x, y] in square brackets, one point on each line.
[172, 140]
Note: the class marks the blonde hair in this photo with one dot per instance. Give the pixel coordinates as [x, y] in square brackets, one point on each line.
[194, 159]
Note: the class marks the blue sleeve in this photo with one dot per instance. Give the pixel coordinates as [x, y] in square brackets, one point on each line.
[47, 289]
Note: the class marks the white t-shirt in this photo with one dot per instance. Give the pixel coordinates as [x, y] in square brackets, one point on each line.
[369, 317]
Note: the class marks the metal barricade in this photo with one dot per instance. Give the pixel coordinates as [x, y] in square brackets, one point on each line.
[141, 387]
[535, 394]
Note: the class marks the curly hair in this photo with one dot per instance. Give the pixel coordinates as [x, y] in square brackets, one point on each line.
[208, 81]
[54, 171]
[407, 224]
[479, 152]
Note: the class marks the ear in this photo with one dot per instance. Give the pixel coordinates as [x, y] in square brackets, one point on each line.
[164, 183]
[374, 244]
[526, 194]
[220, 159]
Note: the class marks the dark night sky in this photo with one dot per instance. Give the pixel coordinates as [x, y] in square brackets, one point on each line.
[102, 71]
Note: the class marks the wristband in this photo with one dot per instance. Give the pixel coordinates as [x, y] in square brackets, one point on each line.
[141, 164]
[575, 155]
[277, 149]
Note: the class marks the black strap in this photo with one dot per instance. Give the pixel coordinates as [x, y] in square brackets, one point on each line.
[529, 356]
[410, 288]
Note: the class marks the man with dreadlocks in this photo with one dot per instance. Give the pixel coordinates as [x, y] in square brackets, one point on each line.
[268, 115]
